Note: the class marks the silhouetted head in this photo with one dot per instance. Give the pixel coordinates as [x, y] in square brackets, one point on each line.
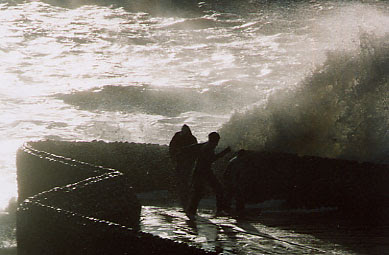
[214, 138]
[186, 130]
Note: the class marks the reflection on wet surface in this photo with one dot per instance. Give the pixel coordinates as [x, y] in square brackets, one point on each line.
[230, 236]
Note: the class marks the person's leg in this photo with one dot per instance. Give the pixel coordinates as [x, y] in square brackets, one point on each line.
[229, 195]
[240, 201]
[182, 185]
[186, 177]
[195, 196]
[218, 189]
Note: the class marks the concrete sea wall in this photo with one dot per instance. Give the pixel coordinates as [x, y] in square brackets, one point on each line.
[360, 189]
[68, 206]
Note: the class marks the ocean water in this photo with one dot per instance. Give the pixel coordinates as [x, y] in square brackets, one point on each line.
[127, 71]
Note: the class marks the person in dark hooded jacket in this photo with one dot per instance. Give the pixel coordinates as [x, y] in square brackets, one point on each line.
[184, 161]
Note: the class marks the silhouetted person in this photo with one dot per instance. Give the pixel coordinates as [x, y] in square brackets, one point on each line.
[234, 181]
[184, 162]
[205, 156]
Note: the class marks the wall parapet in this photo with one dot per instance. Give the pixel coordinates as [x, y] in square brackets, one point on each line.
[68, 206]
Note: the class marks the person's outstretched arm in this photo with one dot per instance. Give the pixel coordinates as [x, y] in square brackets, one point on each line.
[192, 149]
[222, 153]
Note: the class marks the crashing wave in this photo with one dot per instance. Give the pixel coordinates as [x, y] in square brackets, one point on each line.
[340, 110]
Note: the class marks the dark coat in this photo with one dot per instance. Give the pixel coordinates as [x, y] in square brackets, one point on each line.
[180, 141]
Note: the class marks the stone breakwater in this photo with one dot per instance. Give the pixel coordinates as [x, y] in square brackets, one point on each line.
[68, 206]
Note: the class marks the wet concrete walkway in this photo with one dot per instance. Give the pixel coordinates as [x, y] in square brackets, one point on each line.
[267, 233]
